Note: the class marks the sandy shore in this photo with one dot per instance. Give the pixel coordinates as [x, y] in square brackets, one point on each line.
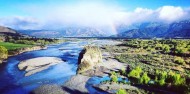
[32, 66]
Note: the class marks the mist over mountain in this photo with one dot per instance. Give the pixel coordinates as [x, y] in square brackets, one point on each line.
[138, 30]
[156, 29]
[65, 32]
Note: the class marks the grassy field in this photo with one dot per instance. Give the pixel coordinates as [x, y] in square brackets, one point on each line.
[13, 46]
[165, 62]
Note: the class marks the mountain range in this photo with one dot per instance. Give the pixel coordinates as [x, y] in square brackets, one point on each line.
[156, 29]
[65, 32]
[180, 29]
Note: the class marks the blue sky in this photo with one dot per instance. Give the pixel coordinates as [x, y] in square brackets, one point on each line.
[35, 14]
[14, 7]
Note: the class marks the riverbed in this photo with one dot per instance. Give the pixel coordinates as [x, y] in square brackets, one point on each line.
[13, 81]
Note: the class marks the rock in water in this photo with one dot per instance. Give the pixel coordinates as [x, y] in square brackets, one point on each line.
[76, 85]
[88, 58]
[32, 66]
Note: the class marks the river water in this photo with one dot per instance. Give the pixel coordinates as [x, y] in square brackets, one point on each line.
[13, 81]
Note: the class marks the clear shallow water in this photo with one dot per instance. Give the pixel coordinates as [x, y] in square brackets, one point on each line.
[13, 81]
[97, 80]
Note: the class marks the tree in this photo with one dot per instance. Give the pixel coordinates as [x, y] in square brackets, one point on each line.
[3, 53]
[144, 79]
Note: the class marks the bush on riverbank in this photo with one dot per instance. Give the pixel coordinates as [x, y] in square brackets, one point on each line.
[121, 91]
[3, 53]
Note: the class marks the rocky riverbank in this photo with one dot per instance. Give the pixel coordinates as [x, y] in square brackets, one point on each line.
[76, 85]
[92, 62]
[88, 62]
[22, 50]
[26, 49]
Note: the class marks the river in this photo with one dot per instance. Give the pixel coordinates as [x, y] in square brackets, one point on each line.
[13, 81]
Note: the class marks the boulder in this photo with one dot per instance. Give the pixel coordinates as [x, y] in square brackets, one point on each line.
[76, 85]
[89, 57]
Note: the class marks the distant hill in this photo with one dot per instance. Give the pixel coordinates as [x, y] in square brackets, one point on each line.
[160, 30]
[4, 31]
[66, 32]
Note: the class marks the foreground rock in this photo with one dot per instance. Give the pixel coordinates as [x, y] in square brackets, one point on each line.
[88, 58]
[49, 89]
[32, 66]
[76, 85]
[97, 71]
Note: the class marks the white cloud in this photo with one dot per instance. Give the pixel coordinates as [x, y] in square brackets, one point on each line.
[19, 22]
[93, 15]
[171, 13]
[88, 14]
[165, 14]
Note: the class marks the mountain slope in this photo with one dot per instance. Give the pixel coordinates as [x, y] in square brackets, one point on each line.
[4, 31]
[160, 30]
[179, 29]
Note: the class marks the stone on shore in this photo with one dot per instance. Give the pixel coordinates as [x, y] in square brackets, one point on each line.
[113, 87]
[49, 89]
[76, 85]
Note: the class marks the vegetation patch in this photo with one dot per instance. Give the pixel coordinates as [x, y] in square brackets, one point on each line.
[13, 46]
[155, 65]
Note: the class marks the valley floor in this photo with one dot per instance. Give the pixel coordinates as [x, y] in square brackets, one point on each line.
[132, 67]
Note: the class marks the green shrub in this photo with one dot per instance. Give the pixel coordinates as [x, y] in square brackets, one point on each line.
[113, 73]
[114, 78]
[121, 91]
[177, 79]
[181, 50]
[144, 79]
[166, 48]
[160, 77]
[123, 71]
[3, 53]
[135, 73]
[161, 82]
[179, 60]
